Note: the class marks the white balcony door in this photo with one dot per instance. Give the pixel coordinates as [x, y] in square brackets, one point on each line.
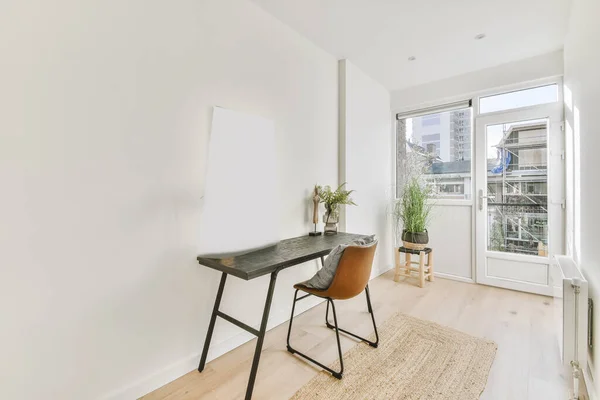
[518, 199]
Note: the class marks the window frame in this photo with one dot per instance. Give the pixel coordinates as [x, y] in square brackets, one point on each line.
[474, 97]
[461, 104]
[500, 93]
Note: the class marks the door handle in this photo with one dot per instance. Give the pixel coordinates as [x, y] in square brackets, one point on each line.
[481, 197]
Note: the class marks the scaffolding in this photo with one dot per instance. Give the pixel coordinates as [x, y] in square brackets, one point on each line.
[517, 191]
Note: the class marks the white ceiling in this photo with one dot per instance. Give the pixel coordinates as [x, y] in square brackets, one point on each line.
[379, 35]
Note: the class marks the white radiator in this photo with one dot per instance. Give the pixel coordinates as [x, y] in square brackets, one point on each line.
[571, 306]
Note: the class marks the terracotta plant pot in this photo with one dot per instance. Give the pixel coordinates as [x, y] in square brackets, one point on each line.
[415, 240]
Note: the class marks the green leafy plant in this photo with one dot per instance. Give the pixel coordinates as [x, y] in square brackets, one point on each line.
[333, 199]
[414, 208]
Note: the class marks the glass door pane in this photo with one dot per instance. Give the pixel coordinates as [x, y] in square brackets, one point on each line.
[517, 187]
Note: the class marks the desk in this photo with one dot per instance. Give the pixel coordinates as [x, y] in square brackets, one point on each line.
[271, 260]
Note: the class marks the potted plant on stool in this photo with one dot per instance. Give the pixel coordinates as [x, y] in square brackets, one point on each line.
[414, 210]
[332, 201]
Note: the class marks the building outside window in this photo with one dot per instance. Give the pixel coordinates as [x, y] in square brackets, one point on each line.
[517, 188]
[443, 143]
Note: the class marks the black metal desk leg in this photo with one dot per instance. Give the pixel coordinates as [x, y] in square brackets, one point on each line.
[261, 336]
[211, 325]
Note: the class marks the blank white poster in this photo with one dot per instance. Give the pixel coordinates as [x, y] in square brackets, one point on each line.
[239, 211]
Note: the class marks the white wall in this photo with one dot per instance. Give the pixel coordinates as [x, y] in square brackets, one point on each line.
[544, 66]
[582, 98]
[366, 158]
[105, 115]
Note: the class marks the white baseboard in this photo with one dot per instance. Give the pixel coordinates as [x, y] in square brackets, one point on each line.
[453, 277]
[150, 383]
[437, 274]
[380, 271]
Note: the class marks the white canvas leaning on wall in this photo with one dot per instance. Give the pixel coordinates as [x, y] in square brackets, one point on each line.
[239, 212]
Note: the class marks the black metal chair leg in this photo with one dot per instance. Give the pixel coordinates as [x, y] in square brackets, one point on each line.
[370, 308]
[337, 336]
[294, 351]
[327, 318]
[289, 348]
[368, 294]
[368, 299]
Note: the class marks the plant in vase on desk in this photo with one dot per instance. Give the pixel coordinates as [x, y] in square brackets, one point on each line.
[332, 201]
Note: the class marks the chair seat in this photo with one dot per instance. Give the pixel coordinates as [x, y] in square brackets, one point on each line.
[315, 292]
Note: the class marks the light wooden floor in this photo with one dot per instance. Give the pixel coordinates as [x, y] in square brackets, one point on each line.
[527, 365]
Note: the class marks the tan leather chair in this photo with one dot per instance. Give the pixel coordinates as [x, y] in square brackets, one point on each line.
[351, 278]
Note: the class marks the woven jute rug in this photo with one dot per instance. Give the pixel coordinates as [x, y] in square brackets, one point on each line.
[415, 359]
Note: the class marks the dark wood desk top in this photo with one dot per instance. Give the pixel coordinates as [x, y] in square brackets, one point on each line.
[286, 253]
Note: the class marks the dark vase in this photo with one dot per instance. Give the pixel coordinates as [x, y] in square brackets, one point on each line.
[415, 240]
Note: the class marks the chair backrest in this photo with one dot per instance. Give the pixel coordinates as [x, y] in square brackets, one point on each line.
[353, 272]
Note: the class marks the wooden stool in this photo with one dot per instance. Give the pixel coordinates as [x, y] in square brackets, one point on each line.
[425, 270]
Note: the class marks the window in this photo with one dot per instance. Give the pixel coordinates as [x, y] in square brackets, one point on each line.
[438, 144]
[431, 138]
[517, 190]
[520, 98]
[430, 120]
